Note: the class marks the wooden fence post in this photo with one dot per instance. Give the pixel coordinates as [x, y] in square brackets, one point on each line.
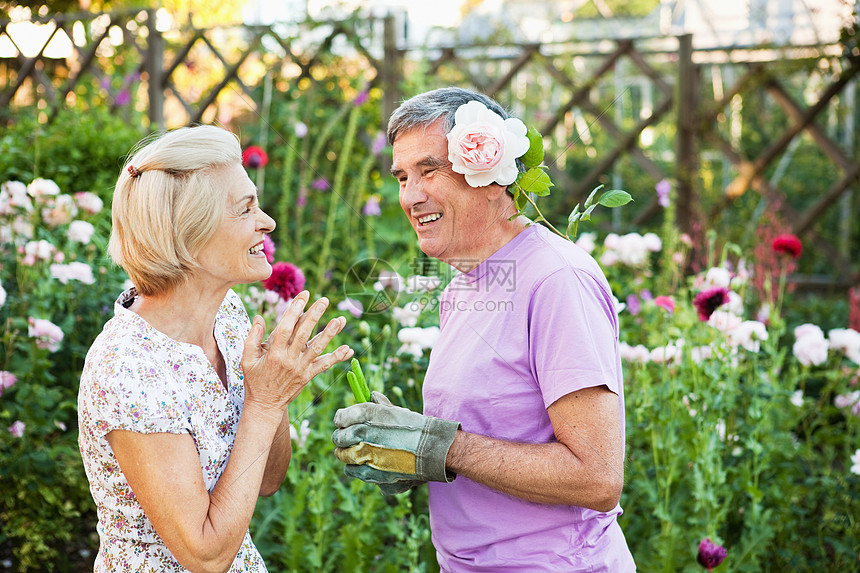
[155, 72]
[686, 138]
[392, 75]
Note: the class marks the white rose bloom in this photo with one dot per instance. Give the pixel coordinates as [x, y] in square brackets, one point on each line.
[808, 328]
[407, 315]
[717, 277]
[724, 321]
[811, 348]
[652, 242]
[2, 295]
[80, 232]
[586, 242]
[797, 398]
[42, 187]
[748, 334]
[89, 202]
[847, 341]
[855, 463]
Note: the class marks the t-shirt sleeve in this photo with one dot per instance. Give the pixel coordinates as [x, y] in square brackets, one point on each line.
[573, 335]
[129, 392]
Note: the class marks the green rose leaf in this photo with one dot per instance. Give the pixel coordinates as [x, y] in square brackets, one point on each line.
[615, 198]
[536, 181]
[574, 215]
[534, 156]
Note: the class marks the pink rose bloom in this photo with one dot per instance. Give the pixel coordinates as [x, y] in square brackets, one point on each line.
[89, 202]
[666, 302]
[484, 147]
[846, 400]
[17, 429]
[47, 334]
[7, 380]
[61, 212]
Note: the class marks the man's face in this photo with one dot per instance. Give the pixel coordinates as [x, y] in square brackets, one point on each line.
[449, 217]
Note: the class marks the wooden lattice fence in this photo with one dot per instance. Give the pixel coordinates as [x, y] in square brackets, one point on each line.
[654, 108]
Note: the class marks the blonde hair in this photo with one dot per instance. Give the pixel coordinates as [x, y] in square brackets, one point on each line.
[168, 203]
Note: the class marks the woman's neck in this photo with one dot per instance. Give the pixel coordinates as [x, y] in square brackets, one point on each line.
[185, 314]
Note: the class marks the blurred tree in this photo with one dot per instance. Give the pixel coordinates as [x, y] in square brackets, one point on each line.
[202, 13]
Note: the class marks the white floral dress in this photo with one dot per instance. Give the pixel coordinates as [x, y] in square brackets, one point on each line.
[139, 379]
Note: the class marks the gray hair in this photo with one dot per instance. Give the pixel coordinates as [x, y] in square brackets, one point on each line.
[426, 108]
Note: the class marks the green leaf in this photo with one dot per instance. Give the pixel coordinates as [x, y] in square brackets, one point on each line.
[615, 198]
[536, 181]
[574, 215]
[521, 199]
[592, 194]
[534, 156]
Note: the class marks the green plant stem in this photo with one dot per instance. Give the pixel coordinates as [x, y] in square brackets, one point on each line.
[540, 217]
[336, 196]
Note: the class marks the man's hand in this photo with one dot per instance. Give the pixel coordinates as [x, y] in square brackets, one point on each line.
[392, 446]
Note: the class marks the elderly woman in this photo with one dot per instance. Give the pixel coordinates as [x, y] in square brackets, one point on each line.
[183, 406]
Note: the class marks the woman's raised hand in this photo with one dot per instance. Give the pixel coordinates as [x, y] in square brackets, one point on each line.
[279, 368]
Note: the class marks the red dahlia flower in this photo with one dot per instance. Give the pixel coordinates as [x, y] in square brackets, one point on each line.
[287, 280]
[710, 554]
[254, 157]
[787, 244]
[707, 301]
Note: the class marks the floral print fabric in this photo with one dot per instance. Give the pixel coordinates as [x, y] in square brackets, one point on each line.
[139, 379]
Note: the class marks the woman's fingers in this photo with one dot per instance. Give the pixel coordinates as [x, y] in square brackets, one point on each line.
[307, 322]
[283, 332]
[318, 343]
[326, 361]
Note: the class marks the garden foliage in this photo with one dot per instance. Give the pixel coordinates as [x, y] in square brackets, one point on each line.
[743, 421]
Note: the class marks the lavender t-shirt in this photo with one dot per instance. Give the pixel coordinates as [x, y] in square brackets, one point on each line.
[527, 326]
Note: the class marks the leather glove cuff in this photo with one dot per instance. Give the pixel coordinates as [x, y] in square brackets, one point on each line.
[436, 440]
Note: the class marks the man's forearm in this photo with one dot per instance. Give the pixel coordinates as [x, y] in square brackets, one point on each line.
[543, 473]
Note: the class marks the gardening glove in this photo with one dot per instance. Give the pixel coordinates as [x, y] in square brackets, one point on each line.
[392, 446]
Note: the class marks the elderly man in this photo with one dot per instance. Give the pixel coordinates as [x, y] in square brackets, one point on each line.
[523, 398]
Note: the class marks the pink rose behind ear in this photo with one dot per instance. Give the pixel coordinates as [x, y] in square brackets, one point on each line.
[484, 147]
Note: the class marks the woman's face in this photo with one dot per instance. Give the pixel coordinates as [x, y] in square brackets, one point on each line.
[234, 254]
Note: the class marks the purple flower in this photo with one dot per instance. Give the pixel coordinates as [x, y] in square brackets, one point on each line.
[360, 98]
[633, 305]
[663, 188]
[707, 301]
[123, 97]
[372, 208]
[379, 143]
[320, 184]
[17, 428]
[646, 295]
[7, 380]
[710, 554]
